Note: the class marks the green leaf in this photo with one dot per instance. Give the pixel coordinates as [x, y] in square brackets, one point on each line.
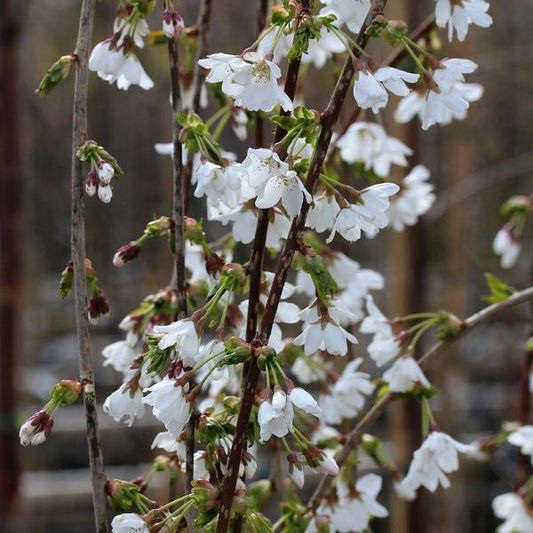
[499, 291]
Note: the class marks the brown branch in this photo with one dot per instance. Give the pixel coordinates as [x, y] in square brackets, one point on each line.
[79, 135]
[251, 371]
[328, 119]
[179, 257]
[480, 181]
[177, 168]
[354, 437]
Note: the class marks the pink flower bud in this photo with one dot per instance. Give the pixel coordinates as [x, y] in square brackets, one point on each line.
[91, 183]
[126, 253]
[172, 24]
[36, 429]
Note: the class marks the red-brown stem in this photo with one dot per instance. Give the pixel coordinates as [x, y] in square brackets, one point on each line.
[328, 119]
[353, 439]
[251, 371]
[79, 135]
[178, 198]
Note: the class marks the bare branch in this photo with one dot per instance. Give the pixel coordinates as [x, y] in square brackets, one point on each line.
[79, 135]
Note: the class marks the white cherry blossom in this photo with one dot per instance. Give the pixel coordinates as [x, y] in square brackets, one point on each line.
[507, 247]
[129, 523]
[414, 200]
[113, 65]
[368, 143]
[513, 510]
[384, 349]
[452, 71]
[121, 354]
[436, 457]
[169, 405]
[288, 188]
[376, 321]
[403, 374]
[370, 89]
[452, 109]
[325, 335]
[166, 441]
[218, 183]
[276, 417]
[523, 438]
[125, 403]
[368, 215]
[347, 396]
[322, 213]
[251, 80]
[182, 336]
[309, 369]
[349, 12]
[355, 508]
[458, 15]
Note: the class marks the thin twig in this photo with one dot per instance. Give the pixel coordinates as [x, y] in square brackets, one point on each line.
[79, 135]
[353, 439]
[179, 258]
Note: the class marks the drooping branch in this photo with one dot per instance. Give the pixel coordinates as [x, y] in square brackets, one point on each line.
[79, 135]
[177, 168]
[328, 119]
[353, 439]
[178, 212]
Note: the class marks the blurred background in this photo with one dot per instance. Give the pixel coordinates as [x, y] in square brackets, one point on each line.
[476, 165]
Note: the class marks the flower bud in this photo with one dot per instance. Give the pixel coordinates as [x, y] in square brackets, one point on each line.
[126, 253]
[98, 306]
[172, 24]
[193, 230]
[105, 172]
[122, 494]
[105, 193]
[56, 73]
[36, 429]
[66, 392]
[91, 183]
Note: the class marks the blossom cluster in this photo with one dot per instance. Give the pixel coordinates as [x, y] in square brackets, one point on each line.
[194, 372]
